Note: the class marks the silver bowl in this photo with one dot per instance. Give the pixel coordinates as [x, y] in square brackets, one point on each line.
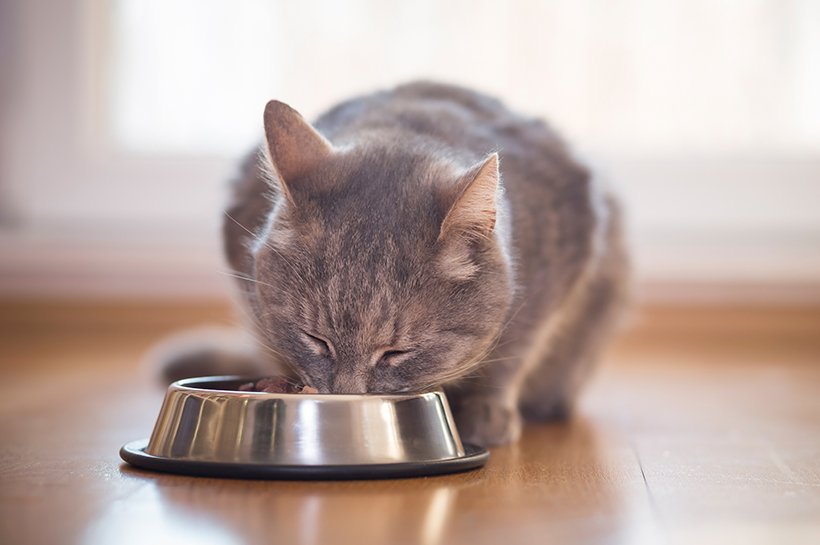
[207, 427]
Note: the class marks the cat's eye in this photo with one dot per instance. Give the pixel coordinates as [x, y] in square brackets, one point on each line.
[393, 357]
[319, 345]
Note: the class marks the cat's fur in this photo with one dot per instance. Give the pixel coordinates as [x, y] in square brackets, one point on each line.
[391, 249]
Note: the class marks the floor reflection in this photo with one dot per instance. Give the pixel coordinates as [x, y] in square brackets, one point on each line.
[144, 517]
[562, 482]
[555, 484]
[393, 511]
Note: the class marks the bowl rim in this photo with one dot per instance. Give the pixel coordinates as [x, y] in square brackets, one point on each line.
[134, 453]
[190, 385]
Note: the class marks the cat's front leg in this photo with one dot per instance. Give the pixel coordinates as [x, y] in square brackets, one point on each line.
[485, 404]
[487, 420]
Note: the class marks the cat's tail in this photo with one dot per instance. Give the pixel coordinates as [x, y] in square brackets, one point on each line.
[206, 351]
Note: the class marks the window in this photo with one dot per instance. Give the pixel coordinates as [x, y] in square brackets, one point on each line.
[633, 77]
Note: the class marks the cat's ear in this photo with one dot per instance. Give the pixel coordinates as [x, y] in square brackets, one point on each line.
[474, 209]
[294, 146]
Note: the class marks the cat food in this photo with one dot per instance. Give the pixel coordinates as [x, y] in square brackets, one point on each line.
[277, 385]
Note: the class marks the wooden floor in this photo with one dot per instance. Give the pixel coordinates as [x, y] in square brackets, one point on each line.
[702, 426]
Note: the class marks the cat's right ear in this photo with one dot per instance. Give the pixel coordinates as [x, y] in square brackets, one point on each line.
[474, 209]
[294, 146]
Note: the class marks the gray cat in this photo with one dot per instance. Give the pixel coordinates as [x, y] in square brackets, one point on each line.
[418, 237]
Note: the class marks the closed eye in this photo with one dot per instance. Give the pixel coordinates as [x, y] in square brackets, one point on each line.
[320, 346]
[394, 357]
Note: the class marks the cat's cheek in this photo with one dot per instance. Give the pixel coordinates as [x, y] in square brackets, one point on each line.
[317, 372]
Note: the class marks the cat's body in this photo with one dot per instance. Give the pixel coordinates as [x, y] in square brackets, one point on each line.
[414, 253]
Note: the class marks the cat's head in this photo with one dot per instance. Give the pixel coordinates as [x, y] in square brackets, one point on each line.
[381, 268]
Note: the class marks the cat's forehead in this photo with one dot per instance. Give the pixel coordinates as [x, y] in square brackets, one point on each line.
[390, 168]
[379, 216]
[381, 186]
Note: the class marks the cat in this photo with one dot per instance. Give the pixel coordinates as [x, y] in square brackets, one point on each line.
[417, 237]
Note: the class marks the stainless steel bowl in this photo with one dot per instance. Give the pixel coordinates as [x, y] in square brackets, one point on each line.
[206, 426]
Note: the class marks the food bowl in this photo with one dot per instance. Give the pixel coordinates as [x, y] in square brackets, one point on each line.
[207, 427]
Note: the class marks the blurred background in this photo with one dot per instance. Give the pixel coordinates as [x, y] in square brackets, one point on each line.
[121, 120]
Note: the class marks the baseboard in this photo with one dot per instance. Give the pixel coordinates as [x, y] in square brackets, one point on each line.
[182, 266]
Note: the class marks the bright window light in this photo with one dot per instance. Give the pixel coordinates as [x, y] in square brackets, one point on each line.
[633, 77]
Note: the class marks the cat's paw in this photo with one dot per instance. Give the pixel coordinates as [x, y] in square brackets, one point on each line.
[487, 423]
[546, 410]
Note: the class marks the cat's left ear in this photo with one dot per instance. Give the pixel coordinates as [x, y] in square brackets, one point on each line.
[474, 211]
[295, 147]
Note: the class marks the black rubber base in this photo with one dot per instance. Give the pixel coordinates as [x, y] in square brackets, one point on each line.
[134, 453]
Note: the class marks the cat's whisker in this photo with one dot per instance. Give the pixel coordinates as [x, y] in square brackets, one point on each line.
[235, 274]
[494, 360]
[253, 235]
[255, 238]
[246, 278]
[464, 368]
[254, 327]
[278, 357]
[511, 318]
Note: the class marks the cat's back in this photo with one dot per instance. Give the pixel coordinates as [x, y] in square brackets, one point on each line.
[419, 106]
[458, 120]
[464, 125]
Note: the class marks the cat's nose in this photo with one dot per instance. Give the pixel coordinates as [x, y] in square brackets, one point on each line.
[349, 384]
